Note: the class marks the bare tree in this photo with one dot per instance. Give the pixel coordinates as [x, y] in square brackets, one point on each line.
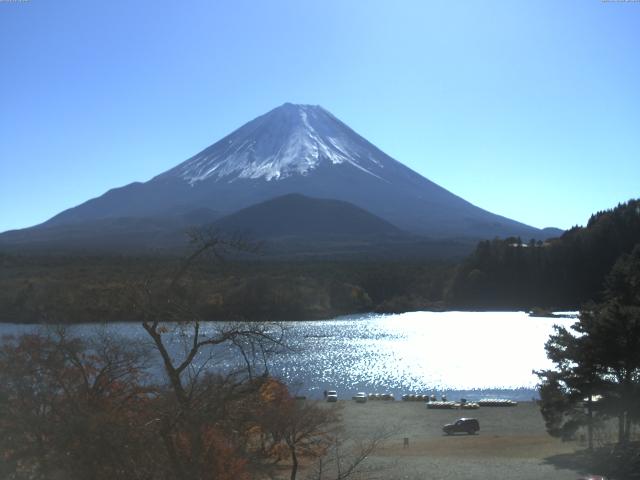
[347, 459]
[168, 313]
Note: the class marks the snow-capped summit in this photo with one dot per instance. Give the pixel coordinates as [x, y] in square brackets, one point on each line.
[288, 140]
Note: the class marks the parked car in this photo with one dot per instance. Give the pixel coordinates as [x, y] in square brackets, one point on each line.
[463, 425]
[332, 396]
[360, 397]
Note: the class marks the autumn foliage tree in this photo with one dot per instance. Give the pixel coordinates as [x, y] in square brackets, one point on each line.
[294, 429]
[73, 409]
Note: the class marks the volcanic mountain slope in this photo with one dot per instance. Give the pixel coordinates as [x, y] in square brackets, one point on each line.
[296, 149]
[110, 234]
[295, 226]
[300, 216]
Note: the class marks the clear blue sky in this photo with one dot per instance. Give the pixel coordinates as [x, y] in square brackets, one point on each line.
[527, 109]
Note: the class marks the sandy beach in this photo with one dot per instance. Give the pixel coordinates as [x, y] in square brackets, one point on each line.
[512, 442]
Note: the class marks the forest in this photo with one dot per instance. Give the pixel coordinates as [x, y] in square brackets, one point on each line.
[512, 273]
[98, 288]
[562, 273]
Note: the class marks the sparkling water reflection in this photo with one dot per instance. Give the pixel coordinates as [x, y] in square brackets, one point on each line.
[477, 353]
[460, 353]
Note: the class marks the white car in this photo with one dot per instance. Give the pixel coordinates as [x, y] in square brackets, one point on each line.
[360, 397]
[332, 396]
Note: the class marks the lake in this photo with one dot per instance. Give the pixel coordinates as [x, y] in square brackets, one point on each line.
[470, 354]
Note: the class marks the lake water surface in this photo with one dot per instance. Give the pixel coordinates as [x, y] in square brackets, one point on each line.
[471, 354]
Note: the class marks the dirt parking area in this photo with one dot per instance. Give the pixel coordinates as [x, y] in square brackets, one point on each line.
[512, 442]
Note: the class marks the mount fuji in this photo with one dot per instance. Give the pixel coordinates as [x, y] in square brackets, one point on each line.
[293, 149]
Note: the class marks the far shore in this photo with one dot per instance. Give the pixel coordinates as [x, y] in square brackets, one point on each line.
[536, 312]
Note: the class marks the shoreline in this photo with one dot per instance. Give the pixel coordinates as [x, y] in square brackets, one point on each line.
[533, 313]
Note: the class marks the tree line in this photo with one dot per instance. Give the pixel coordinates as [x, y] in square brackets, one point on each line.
[79, 289]
[561, 273]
